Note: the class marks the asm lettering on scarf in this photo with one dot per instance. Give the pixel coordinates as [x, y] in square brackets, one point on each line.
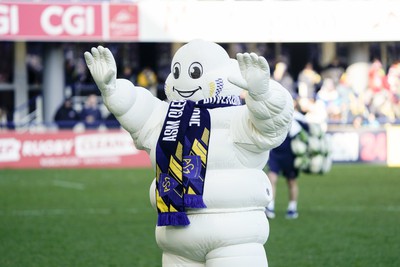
[195, 119]
[173, 120]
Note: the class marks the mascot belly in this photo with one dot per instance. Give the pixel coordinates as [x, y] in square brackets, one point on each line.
[207, 150]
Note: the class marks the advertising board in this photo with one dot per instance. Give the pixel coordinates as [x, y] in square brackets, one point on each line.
[67, 149]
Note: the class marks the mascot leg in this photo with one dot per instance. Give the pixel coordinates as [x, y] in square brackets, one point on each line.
[252, 254]
[171, 260]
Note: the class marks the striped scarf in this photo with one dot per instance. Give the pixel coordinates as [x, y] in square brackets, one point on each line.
[181, 157]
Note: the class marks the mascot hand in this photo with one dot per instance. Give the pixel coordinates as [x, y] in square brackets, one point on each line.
[101, 64]
[255, 72]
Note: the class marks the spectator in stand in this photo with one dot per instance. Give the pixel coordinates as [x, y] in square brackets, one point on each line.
[376, 77]
[314, 111]
[66, 117]
[346, 94]
[3, 118]
[379, 98]
[371, 121]
[127, 73]
[69, 70]
[331, 99]
[282, 76]
[358, 122]
[308, 81]
[393, 78]
[91, 115]
[147, 78]
[357, 106]
[34, 69]
[333, 71]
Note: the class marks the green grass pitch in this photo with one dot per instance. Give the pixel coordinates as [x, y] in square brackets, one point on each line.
[103, 218]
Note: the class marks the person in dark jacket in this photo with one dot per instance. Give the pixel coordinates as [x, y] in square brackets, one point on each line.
[91, 115]
[66, 117]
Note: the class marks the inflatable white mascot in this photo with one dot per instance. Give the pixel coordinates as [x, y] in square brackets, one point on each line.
[208, 150]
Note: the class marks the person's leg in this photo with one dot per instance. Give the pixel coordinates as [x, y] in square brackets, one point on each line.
[270, 209]
[293, 191]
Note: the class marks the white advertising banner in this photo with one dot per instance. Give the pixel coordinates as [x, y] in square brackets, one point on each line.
[218, 21]
[270, 21]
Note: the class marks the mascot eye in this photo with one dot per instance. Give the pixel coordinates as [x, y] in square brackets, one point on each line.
[176, 70]
[195, 70]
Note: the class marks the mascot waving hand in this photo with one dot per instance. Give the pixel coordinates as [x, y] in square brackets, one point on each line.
[207, 150]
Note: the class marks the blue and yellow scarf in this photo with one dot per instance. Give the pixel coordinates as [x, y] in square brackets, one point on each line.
[181, 157]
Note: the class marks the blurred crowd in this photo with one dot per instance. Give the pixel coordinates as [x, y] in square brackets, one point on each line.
[329, 96]
[334, 95]
[362, 94]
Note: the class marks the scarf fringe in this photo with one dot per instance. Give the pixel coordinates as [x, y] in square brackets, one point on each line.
[172, 218]
[194, 201]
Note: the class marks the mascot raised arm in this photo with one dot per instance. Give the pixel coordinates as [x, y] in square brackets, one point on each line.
[207, 149]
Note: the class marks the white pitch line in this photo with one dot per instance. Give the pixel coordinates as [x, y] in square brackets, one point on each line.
[68, 184]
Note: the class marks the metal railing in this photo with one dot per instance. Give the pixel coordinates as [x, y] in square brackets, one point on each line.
[33, 120]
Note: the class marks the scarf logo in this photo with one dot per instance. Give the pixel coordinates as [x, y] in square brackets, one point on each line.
[166, 184]
[191, 166]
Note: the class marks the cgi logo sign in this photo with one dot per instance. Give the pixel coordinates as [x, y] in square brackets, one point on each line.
[9, 19]
[62, 21]
[71, 20]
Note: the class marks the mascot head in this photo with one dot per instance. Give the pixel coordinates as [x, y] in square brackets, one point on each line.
[200, 70]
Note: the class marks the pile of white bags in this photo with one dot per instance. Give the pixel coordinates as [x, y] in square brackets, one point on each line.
[312, 150]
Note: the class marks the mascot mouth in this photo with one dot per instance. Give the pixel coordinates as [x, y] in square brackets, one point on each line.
[186, 94]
